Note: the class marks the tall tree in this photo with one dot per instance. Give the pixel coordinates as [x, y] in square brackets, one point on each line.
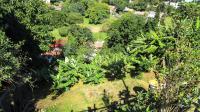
[10, 60]
[126, 29]
[97, 13]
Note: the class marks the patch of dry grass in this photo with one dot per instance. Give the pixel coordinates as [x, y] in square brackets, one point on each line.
[80, 97]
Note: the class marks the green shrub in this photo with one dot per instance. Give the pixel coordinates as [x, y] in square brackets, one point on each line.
[67, 75]
[92, 73]
[72, 70]
[81, 34]
[105, 1]
[63, 31]
[151, 24]
[74, 7]
[115, 70]
[141, 6]
[153, 2]
[77, 6]
[58, 18]
[189, 10]
[143, 102]
[75, 18]
[120, 4]
[97, 13]
[62, 18]
[112, 62]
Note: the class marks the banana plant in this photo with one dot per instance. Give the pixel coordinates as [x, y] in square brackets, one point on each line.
[160, 40]
[169, 24]
[137, 46]
[197, 23]
[67, 75]
[91, 73]
[156, 39]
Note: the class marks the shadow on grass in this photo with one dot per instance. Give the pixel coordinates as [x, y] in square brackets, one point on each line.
[58, 93]
[125, 98]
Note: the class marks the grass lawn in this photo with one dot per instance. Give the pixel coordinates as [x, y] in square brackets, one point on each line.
[80, 97]
[55, 33]
[100, 36]
[86, 21]
[95, 28]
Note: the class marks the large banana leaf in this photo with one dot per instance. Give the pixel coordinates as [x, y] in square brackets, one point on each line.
[197, 23]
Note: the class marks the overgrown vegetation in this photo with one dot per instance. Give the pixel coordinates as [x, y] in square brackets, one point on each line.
[97, 13]
[42, 46]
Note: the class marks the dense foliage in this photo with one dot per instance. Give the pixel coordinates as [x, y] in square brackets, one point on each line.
[141, 6]
[61, 18]
[180, 69]
[10, 61]
[120, 4]
[71, 71]
[24, 23]
[126, 29]
[78, 6]
[81, 34]
[97, 13]
[167, 45]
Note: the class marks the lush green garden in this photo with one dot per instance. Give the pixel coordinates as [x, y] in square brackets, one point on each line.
[112, 60]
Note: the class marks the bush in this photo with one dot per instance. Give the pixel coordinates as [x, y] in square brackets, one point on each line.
[107, 23]
[58, 18]
[92, 73]
[75, 18]
[189, 10]
[116, 70]
[105, 1]
[143, 102]
[97, 13]
[112, 62]
[77, 7]
[81, 34]
[141, 6]
[63, 31]
[72, 70]
[78, 40]
[67, 75]
[151, 24]
[61, 18]
[120, 4]
[154, 2]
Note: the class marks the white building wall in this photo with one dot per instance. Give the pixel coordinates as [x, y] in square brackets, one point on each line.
[188, 0]
[47, 1]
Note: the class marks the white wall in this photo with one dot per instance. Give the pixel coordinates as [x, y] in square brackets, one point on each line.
[47, 1]
[188, 0]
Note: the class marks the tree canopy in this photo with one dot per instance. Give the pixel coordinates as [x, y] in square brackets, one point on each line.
[97, 13]
[126, 29]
